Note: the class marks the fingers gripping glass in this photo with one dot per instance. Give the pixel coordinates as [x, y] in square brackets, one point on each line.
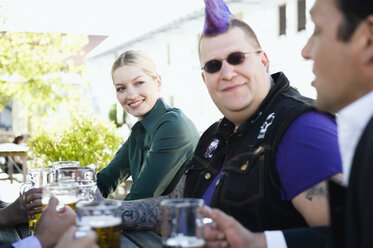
[234, 58]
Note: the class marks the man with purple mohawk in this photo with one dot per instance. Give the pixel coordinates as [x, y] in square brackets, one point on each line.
[275, 151]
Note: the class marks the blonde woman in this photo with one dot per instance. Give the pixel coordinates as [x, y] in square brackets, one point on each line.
[162, 139]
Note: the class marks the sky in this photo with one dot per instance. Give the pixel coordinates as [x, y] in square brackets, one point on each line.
[100, 17]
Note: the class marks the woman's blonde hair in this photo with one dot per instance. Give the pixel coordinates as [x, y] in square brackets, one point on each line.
[138, 59]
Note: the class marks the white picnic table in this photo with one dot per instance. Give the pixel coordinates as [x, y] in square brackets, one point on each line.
[10, 150]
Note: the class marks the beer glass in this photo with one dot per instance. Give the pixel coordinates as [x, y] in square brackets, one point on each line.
[87, 190]
[67, 193]
[104, 217]
[182, 223]
[85, 177]
[67, 163]
[36, 178]
[75, 173]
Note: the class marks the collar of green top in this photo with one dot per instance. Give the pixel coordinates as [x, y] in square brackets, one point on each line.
[150, 120]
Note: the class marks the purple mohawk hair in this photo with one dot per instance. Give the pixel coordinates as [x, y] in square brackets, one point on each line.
[217, 16]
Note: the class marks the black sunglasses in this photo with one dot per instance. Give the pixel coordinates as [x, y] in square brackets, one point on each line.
[234, 58]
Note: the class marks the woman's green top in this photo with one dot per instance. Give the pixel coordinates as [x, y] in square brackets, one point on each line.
[153, 154]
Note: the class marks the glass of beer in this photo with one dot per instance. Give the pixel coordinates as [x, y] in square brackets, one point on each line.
[182, 223]
[67, 163]
[85, 177]
[75, 173]
[36, 178]
[104, 217]
[67, 194]
[87, 190]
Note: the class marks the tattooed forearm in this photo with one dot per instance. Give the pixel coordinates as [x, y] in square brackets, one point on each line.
[319, 190]
[146, 214]
[178, 192]
[142, 214]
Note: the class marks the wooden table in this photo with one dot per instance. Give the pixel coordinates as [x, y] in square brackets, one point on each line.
[144, 239]
[11, 149]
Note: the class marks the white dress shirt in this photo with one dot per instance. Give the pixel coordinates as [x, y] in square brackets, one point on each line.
[351, 122]
[29, 242]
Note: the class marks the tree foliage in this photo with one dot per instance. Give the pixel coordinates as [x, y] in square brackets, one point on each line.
[31, 65]
[113, 116]
[82, 137]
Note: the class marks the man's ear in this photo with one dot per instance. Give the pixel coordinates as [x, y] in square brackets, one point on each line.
[265, 60]
[203, 77]
[367, 55]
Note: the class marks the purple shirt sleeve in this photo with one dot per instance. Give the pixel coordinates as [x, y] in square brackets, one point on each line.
[29, 242]
[308, 153]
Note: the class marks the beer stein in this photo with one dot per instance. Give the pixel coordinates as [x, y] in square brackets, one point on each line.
[36, 178]
[75, 173]
[67, 163]
[67, 193]
[182, 223]
[84, 177]
[104, 217]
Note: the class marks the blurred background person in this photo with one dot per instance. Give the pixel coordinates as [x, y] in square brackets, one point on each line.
[18, 140]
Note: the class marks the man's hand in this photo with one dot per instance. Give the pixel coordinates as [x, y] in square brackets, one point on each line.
[18, 212]
[53, 224]
[230, 233]
[68, 241]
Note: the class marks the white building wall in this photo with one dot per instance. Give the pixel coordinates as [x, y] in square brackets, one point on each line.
[176, 55]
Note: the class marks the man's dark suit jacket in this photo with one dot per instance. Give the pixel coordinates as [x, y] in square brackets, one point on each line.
[351, 209]
[359, 198]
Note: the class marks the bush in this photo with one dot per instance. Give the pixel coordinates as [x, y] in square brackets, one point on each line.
[113, 115]
[83, 137]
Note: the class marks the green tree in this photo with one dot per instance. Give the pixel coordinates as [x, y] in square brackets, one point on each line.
[32, 65]
[82, 136]
[113, 115]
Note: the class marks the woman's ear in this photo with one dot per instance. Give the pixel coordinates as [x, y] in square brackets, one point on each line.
[159, 82]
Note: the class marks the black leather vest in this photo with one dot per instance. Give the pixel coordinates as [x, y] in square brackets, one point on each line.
[249, 188]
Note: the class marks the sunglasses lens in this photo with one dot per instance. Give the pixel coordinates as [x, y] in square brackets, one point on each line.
[236, 58]
[213, 66]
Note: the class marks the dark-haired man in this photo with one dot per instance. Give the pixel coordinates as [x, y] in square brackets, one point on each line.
[342, 50]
